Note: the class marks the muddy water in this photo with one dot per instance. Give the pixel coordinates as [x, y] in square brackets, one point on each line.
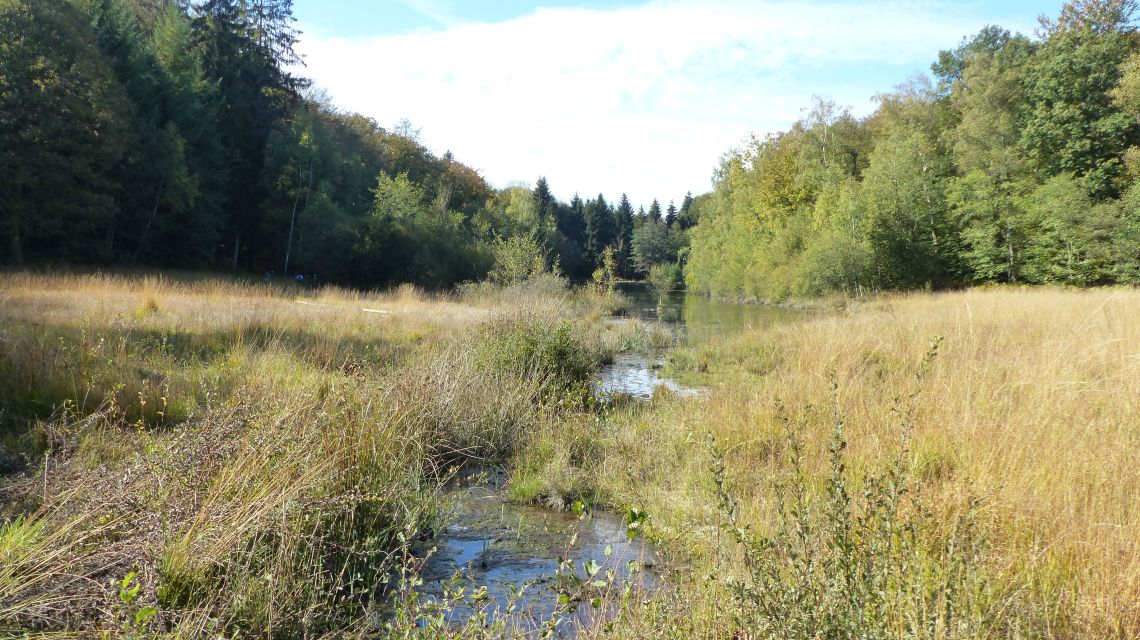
[507, 547]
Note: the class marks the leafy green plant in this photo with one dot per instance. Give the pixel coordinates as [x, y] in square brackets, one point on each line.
[517, 259]
[137, 617]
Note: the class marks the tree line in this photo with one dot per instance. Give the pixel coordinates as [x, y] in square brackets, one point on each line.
[174, 134]
[1017, 162]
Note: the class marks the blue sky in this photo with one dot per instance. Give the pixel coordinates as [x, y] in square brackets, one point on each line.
[612, 97]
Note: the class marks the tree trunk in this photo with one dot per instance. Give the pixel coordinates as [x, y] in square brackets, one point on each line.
[237, 247]
[296, 201]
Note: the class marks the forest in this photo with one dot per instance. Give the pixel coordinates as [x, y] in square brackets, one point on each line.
[154, 133]
[1017, 162]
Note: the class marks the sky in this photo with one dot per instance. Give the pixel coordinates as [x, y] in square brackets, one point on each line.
[641, 97]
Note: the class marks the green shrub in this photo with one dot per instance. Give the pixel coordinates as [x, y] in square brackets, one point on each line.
[531, 346]
[664, 278]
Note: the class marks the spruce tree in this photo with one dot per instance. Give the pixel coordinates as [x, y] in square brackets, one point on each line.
[243, 52]
[544, 200]
[600, 228]
[655, 211]
[685, 216]
[670, 214]
[624, 223]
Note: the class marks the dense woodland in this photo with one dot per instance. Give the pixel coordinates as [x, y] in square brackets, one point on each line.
[171, 134]
[1016, 163]
[174, 134]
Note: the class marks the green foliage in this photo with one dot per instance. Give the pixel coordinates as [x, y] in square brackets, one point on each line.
[653, 243]
[605, 276]
[664, 278]
[601, 228]
[1071, 124]
[517, 259]
[152, 133]
[63, 123]
[533, 347]
[137, 616]
[911, 239]
[1010, 169]
[164, 134]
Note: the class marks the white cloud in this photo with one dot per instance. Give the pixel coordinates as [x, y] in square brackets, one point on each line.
[642, 100]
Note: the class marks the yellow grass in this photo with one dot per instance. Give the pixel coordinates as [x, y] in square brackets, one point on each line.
[289, 408]
[259, 455]
[1032, 405]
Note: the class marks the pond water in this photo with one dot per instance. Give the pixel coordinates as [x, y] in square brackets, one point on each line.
[635, 375]
[506, 547]
[699, 317]
[692, 317]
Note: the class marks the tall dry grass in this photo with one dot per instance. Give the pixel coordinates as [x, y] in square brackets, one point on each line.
[206, 458]
[1032, 407]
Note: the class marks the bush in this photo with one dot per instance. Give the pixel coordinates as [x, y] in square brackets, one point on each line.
[664, 278]
[531, 346]
[517, 259]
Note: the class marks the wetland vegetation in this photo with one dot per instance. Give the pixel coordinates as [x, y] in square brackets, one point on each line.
[193, 457]
[452, 414]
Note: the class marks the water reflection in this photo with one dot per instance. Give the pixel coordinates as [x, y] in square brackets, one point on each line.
[635, 374]
[700, 316]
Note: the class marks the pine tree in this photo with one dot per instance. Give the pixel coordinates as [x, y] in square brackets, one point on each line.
[624, 223]
[670, 214]
[544, 200]
[601, 231]
[188, 232]
[242, 57]
[685, 216]
[655, 211]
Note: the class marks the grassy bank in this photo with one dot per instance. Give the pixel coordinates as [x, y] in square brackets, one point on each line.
[935, 466]
[201, 457]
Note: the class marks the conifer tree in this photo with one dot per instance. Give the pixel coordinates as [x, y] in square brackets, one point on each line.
[655, 211]
[601, 230]
[685, 216]
[243, 53]
[544, 200]
[624, 223]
